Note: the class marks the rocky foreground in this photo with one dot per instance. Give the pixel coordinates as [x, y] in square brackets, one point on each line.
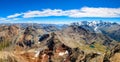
[71, 44]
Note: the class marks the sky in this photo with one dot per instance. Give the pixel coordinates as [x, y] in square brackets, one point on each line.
[58, 11]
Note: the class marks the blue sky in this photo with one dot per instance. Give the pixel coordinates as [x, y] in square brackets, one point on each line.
[58, 11]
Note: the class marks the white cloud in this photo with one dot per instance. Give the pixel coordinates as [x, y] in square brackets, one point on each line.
[83, 12]
[3, 19]
[44, 13]
[7, 19]
[74, 13]
[97, 12]
[14, 15]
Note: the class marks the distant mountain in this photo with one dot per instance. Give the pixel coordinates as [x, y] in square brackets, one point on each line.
[46, 27]
[107, 28]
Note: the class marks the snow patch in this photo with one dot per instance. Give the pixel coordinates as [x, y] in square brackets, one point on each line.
[63, 53]
[37, 53]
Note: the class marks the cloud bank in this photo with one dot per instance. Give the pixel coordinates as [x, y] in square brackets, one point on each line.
[75, 13]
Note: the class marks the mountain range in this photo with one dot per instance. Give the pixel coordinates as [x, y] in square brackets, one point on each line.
[76, 42]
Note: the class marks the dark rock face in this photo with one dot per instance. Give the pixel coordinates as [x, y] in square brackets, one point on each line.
[28, 43]
[2, 39]
[116, 49]
[20, 44]
[43, 37]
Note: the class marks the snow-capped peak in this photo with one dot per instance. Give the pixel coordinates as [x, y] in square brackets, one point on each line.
[94, 25]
